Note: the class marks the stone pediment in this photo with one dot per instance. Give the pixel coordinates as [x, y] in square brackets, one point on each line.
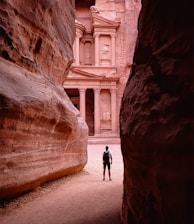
[79, 26]
[99, 21]
[77, 73]
[87, 73]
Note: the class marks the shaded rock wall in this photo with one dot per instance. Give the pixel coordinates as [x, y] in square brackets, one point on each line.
[156, 118]
[38, 35]
[42, 136]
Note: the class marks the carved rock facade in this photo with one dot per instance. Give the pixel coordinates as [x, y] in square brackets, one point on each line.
[103, 49]
[42, 135]
[156, 117]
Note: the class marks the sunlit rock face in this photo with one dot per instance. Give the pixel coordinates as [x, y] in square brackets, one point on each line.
[42, 135]
[156, 118]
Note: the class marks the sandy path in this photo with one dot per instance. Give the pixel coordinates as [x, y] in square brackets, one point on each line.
[81, 198]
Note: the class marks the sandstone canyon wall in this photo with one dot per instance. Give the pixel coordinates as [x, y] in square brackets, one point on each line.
[42, 136]
[156, 118]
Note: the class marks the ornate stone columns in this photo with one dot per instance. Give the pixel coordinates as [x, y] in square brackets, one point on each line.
[113, 48]
[96, 36]
[80, 29]
[77, 44]
[82, 103]
[114, 121]
[96, 111]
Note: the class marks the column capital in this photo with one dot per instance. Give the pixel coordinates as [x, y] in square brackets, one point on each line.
[82, 90]
[113, 90]
[97, 90]
[113, 35]
[78, 35]
[96, 35]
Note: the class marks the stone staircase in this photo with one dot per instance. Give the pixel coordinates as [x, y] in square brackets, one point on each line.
[103, 140]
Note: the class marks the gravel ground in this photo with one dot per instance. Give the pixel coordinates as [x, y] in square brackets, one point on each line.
[80, 198]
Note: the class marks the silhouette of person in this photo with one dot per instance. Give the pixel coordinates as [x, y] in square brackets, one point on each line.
[107, 161]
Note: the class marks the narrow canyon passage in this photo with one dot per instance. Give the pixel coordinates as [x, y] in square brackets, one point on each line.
[77, 199]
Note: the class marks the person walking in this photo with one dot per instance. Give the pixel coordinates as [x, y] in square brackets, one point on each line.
[107, 161]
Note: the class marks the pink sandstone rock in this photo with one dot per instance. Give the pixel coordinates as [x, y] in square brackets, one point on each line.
[42, 135]
[38, 35]
[156, 118]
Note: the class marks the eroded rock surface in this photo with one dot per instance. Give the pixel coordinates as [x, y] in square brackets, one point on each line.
[42, 136]
[156, 118]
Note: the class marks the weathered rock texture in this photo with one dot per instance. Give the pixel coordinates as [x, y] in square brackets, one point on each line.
[42, 136]
[156, 118]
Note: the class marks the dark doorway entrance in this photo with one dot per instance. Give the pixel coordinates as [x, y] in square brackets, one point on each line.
[74, 97]
[90, 110]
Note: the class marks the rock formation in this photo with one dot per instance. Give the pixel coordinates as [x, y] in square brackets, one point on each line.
[42, 135]
[156, 117]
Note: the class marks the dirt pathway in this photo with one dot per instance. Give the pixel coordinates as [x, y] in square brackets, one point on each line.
[82, 198]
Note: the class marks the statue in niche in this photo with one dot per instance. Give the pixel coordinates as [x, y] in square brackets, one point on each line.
[106, 116]
[105, 51]
[105, 55]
